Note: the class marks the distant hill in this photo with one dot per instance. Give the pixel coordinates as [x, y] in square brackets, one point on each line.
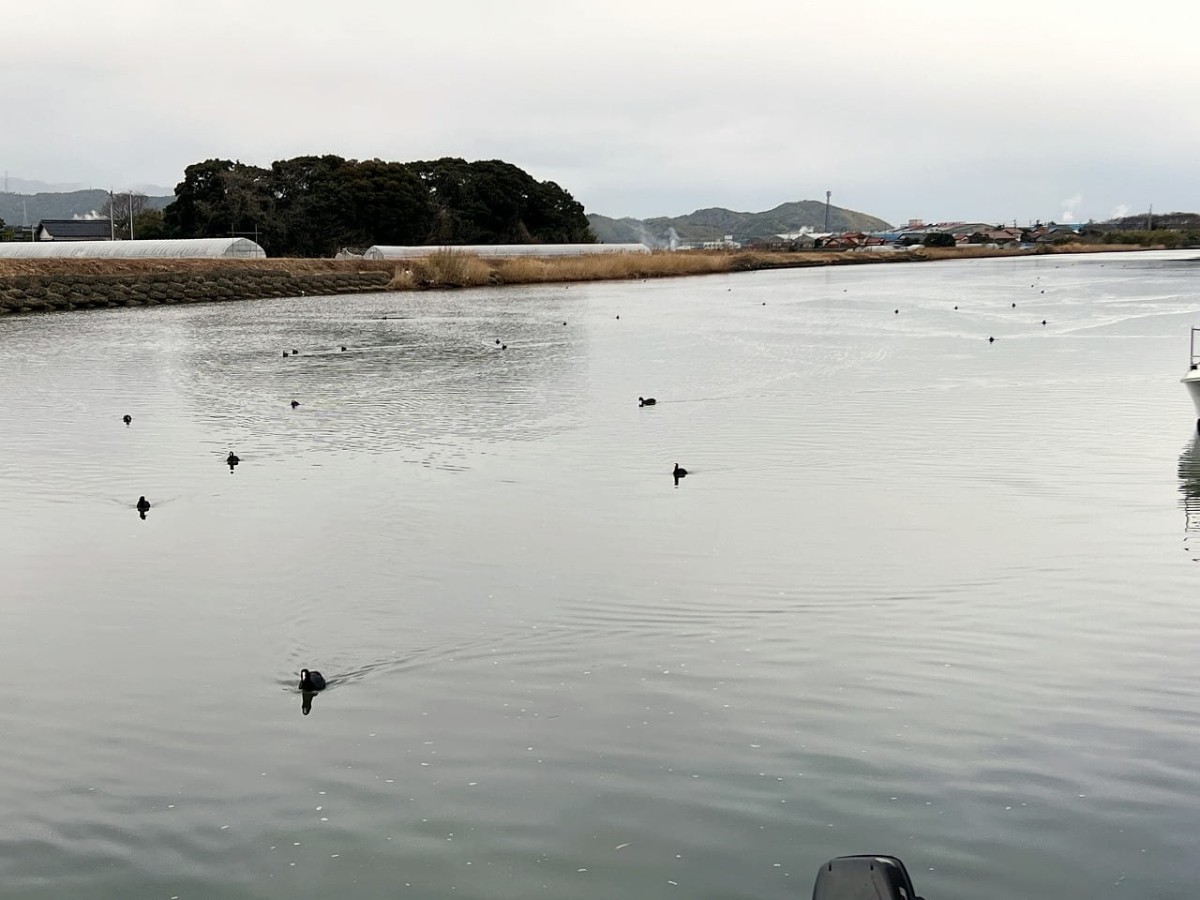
[20, 209]
[713, 224]
[26, 186]
[1157, 220]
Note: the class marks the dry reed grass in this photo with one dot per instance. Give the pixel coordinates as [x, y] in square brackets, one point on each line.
[974, 252]
[608, 267]
[1103, 248]
[451, 268]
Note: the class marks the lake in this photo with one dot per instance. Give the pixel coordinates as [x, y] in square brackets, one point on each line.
[921, 593]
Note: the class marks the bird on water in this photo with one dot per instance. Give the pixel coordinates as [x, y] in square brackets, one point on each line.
[295, 403]
[143, 504]
[646, 401]
[311, 681]
[232, 459]
[680, 471]
[127, 418]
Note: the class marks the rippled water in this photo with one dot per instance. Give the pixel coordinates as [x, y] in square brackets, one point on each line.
[921, 594]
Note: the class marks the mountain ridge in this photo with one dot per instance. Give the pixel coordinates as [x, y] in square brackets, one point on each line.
[715, 222]
[29, 209]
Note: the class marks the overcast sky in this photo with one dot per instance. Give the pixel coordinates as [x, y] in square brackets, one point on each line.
[935, 109]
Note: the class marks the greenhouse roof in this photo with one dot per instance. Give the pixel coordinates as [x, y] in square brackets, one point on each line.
[493, 251]
[192, 248]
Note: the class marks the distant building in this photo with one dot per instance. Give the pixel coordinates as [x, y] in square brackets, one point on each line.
[74, 230]
[992, 237]
[1052, 234]
[726, 243]
[805, 238]
[849, 240]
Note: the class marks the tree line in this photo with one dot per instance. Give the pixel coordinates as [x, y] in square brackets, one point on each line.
[315, 205]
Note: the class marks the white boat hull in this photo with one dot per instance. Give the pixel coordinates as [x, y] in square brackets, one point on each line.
[1192, 381]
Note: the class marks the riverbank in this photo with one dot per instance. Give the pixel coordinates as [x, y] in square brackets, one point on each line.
[44, 285]
[47, 285]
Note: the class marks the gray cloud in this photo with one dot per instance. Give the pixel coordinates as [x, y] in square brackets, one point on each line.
[638, 109]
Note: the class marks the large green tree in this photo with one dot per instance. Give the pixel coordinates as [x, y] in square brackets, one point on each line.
[494, 202]
[223, 198]
[314, 211]
[314, 205]
[390, 204]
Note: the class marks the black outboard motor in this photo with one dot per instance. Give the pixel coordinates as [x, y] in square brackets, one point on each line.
[864, 878]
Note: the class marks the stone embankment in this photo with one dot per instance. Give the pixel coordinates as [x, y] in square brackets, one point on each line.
[63, 289]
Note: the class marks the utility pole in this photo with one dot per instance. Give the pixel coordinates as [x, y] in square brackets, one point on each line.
[112, 214]
[827, 196]
[130, 196]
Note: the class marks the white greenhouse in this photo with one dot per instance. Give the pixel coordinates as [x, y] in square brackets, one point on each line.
[497, 251]
[191, 248]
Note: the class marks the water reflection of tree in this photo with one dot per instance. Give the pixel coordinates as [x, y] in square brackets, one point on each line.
[1189, 487]
[427, 381]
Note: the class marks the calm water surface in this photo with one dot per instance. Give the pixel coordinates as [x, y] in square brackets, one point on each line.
[921, 594]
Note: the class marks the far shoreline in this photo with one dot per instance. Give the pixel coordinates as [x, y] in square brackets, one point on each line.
[47, 285]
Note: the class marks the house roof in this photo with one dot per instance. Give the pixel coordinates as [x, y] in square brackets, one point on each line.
[75, 229]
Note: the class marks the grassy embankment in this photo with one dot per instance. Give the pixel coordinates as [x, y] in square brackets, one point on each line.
[44, 284]
[452, 269]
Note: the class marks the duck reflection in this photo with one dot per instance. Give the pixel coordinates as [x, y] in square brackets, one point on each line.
[311, 681]
[1189, 487]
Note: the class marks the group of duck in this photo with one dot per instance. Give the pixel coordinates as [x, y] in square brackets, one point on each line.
[679, 471]
[143, 505]
[312, 681]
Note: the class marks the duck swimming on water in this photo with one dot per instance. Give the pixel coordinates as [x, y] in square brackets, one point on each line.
[646, 401]
[679, 471]
[295, 403]
[232, 459]
[311, 681]
[143, 504]
[127, 418]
